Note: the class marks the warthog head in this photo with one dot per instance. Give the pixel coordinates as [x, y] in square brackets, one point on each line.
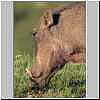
[47, 60]
[55, 44]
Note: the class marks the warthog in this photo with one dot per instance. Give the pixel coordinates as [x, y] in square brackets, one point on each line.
[60, 39]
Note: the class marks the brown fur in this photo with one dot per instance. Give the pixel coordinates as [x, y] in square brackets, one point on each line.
[61, 43]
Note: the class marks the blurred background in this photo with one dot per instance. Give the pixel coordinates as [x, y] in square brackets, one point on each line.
[26, 17]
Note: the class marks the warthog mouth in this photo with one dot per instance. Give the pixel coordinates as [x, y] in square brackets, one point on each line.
[39, 84]
[28, 72]
[33, 77]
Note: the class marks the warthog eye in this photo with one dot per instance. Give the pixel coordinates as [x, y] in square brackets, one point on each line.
[34, 31]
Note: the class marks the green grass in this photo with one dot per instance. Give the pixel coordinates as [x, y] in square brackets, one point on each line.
[68, 82]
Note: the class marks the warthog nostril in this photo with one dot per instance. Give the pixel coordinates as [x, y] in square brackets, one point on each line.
[37, 75]
[34, 75]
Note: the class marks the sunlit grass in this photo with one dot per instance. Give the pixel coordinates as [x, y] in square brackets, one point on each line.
[70, 81]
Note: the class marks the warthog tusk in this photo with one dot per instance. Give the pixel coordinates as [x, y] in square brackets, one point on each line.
[28, 72]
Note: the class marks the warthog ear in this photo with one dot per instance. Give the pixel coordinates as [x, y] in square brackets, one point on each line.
[56, 16]
[51, 17]
[47, 17]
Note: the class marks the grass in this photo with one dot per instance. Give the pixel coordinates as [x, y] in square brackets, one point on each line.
[69, 82]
